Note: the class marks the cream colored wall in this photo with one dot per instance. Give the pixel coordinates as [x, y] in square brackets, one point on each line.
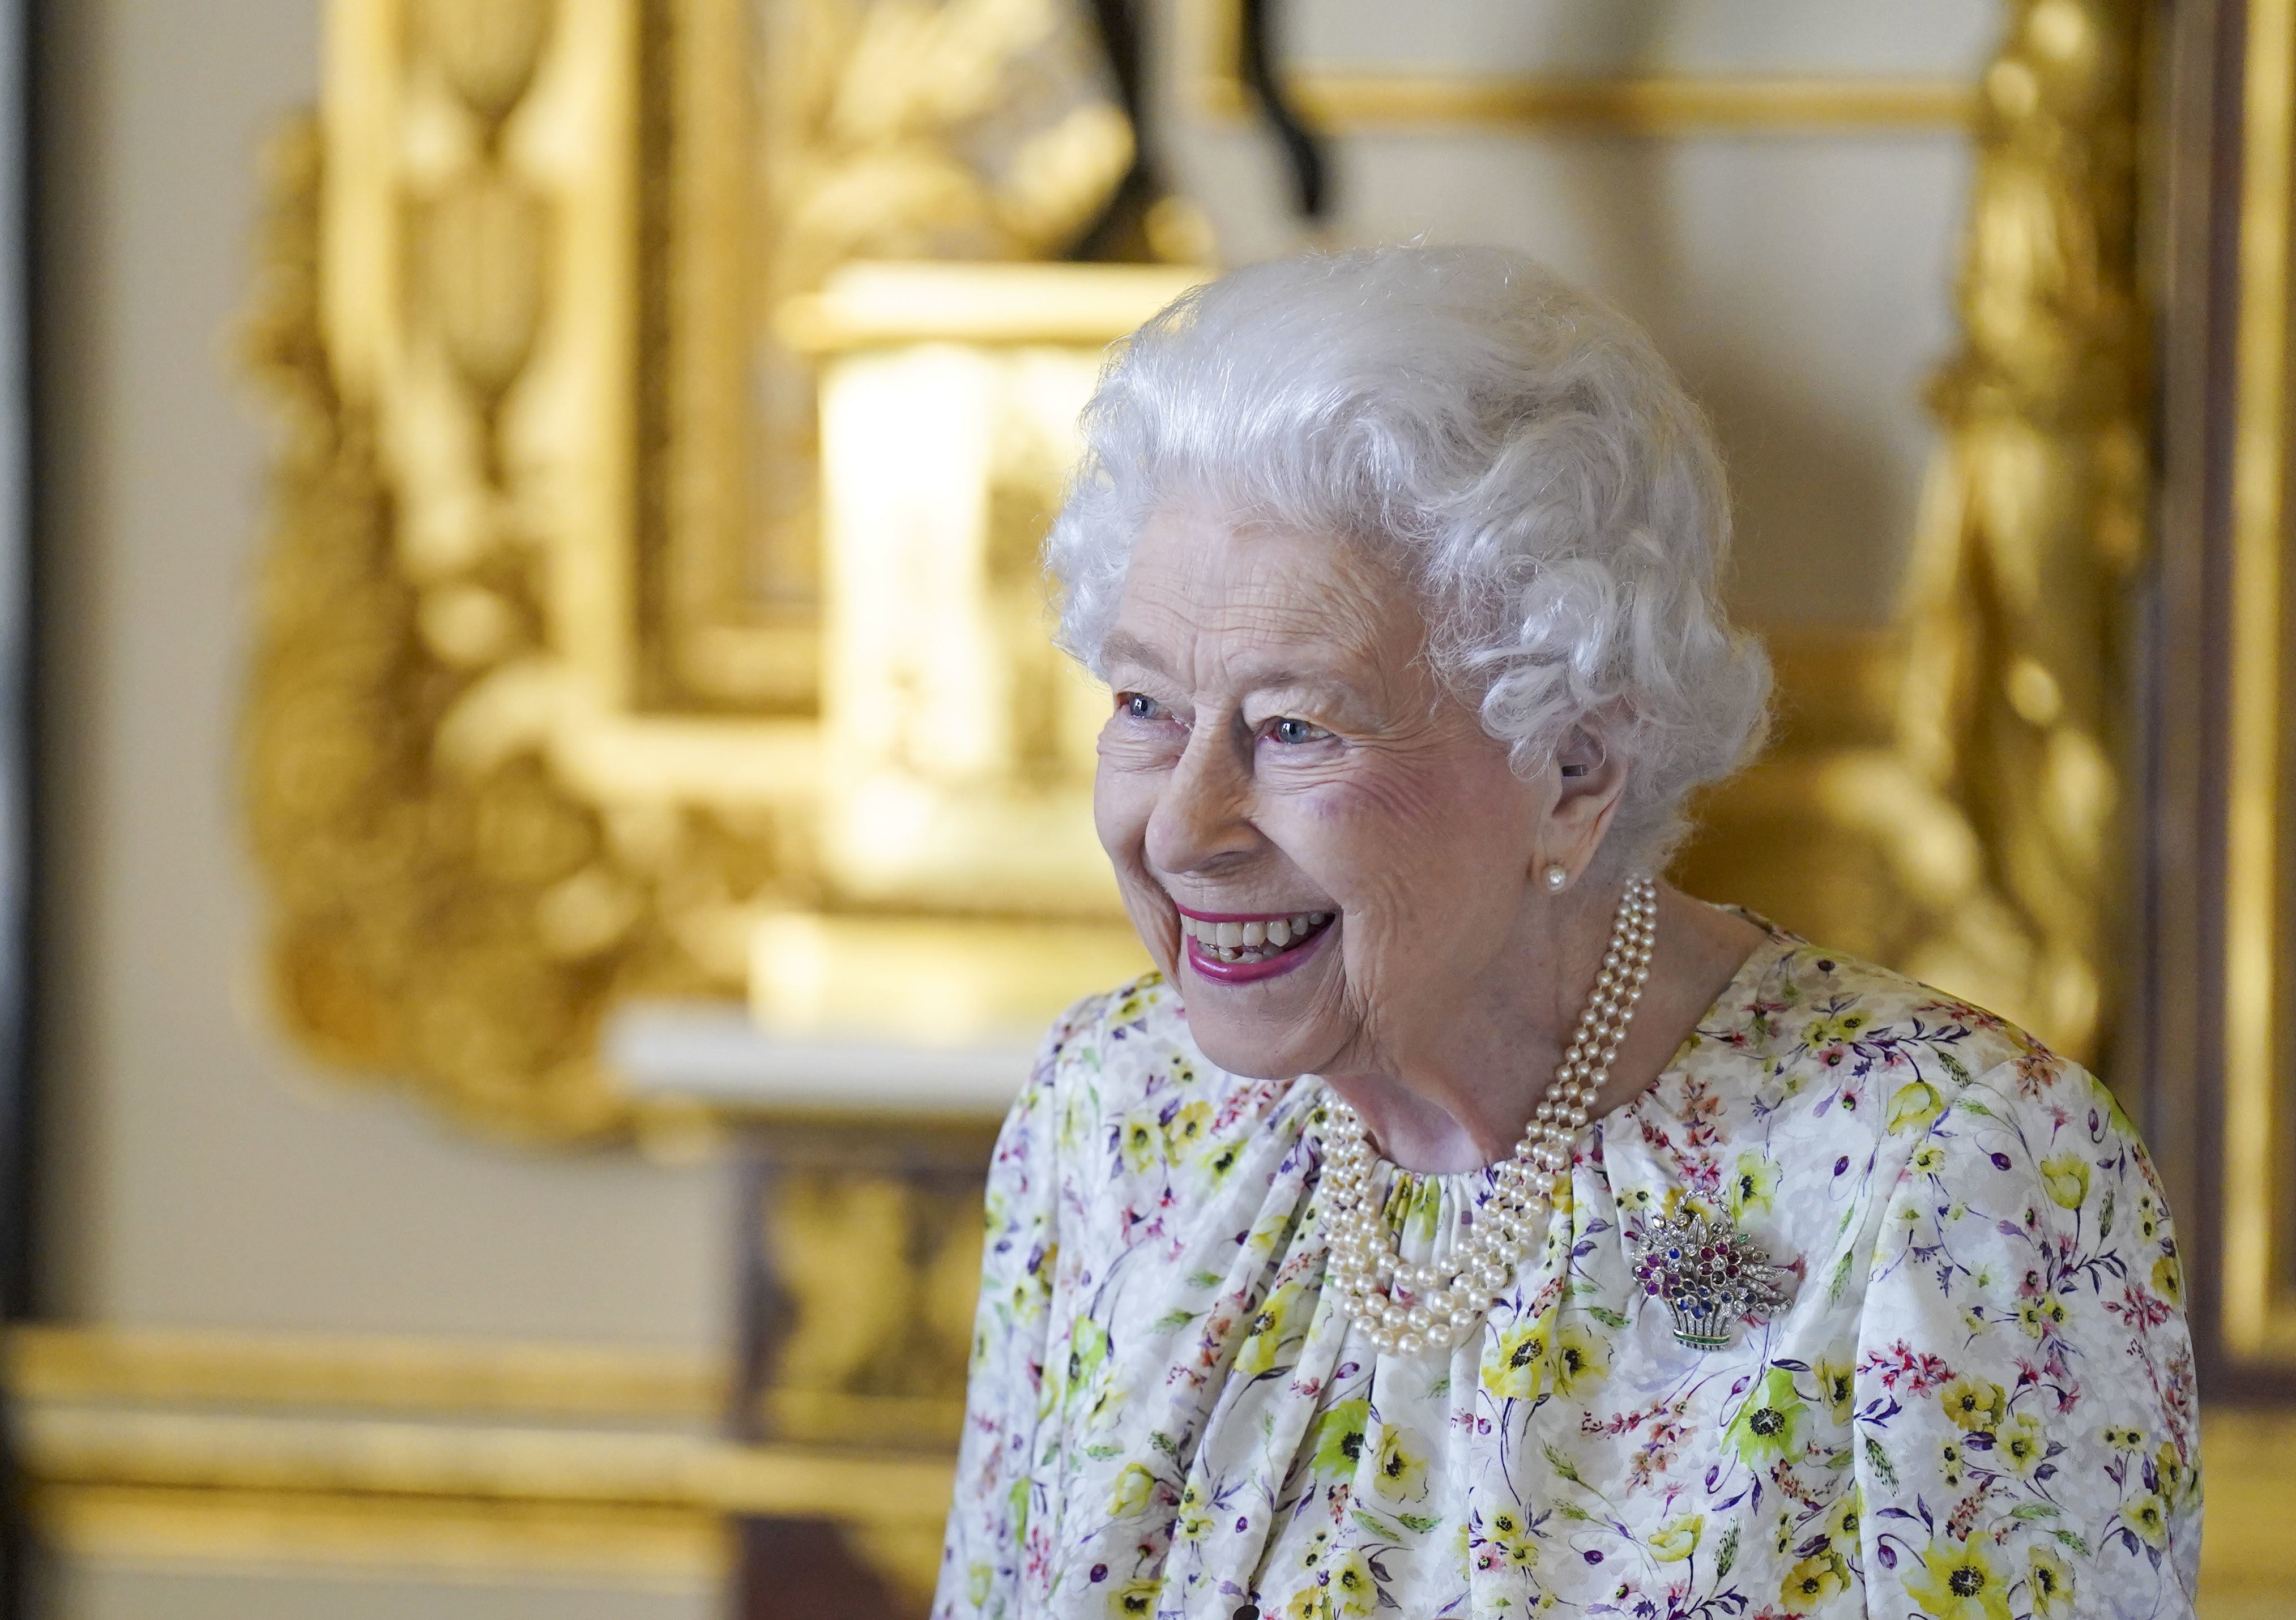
[198, 1172]
[1800, 282]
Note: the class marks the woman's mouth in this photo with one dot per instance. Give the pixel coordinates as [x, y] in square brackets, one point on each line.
[1233, 949]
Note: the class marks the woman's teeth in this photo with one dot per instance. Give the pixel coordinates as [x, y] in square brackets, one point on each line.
[1254, 941]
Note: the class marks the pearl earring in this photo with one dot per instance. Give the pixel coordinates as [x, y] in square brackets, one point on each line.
[1557, 877]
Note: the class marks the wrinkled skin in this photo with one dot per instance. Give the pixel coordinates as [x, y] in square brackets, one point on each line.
[1278, 745]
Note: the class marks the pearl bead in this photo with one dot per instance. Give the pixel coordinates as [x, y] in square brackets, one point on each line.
[1450, 1296]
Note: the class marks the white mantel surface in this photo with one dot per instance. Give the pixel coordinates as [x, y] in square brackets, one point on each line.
[713, 1052]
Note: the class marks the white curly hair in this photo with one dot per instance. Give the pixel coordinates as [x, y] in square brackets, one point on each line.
[1518, 451]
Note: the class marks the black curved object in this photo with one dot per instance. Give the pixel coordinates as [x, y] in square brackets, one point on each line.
[1120, 233]
[1302, 148]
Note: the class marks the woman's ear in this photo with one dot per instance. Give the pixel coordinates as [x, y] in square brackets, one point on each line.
[1589, 780]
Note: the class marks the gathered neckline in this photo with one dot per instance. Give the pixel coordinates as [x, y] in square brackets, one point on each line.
[1776, 943]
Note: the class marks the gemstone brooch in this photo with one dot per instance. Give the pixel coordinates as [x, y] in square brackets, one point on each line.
[1709, 1275]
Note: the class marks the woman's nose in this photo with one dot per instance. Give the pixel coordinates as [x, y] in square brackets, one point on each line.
[1201, 819]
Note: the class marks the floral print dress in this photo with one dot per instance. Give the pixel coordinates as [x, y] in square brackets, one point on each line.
[1979, 1404]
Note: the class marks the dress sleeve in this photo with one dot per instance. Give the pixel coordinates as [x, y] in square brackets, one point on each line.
[985, 1553]
[2023, 1389]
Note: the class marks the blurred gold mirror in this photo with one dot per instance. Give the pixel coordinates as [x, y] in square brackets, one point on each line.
[557, 699]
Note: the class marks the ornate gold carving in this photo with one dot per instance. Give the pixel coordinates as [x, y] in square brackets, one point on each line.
[2015, 609]
[529, 725]
[882, 1273]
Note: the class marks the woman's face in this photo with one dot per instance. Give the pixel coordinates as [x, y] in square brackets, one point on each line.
[1322, 849]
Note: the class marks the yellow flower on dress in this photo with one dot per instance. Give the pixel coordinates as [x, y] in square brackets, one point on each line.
[2038, 1316]
[1270, 1327]
[2123, 1439]
[1352, 1586]
[1193, 1523]
[1399, 1471]
[1752, 1183]
[1769, 1425]
[1087, 1350]
[2064, 1177]
[2148, 1516]
[1813, 1580]
[1339, 1439]
[2049, 1583]
[1343, 1591]
[1914, 1107]
[1518, 1550]
[2022, 1445]
[1837, 1031]
[1837, 1381]
[1676, 1539]
[1972, 1403]
[1516, 1362]
[2175, 1475]
[1581, 1359]
[1960, 1582]
[1930, 1159]
[1844, 1518]
[1135, 1487]
[2168, 1280]
[1188, 1126]
[1141, 1136]
[1135, 1596]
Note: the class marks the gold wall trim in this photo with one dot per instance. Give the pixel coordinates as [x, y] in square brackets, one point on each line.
[1684, 106]
[107, 1444]
[387, 1374]
[409, 1416]
[1342, 98]
[564, 1463]
[549, 1543]
[2260, 1323]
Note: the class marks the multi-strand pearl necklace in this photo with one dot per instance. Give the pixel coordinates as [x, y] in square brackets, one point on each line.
[1407, 1309]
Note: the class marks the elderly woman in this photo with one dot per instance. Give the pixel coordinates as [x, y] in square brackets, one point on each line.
[1462, 1222]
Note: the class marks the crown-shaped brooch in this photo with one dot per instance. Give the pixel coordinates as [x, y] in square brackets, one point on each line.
[1708, 1274]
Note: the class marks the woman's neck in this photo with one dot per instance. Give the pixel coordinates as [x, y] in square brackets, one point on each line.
[1465, 1107]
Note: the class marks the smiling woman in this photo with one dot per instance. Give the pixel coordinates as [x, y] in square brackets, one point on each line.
[1460, 1220]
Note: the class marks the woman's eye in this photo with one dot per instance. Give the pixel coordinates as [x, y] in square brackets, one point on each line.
[1294, 731]
[1139, 706]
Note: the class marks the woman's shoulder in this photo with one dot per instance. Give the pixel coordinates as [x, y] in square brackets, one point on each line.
[1813, 1053]
[1806, 1014]
[1818, 1052]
